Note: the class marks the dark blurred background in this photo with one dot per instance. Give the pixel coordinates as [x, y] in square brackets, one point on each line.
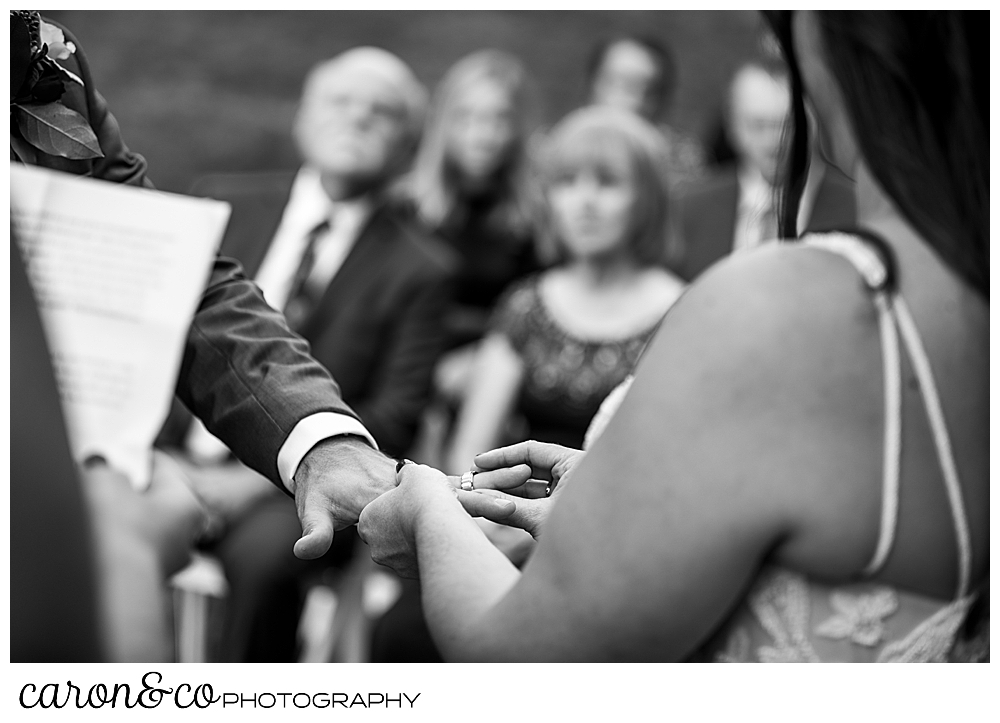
[199, 92]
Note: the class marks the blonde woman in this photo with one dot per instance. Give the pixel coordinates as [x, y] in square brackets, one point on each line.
[470, 184]
[561, 340]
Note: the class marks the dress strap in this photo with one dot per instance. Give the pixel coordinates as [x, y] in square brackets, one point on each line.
[876, 275]
[894, 321]
[892, 444]
[942, 440]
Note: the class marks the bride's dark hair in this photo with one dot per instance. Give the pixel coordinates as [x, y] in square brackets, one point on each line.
[916, 87]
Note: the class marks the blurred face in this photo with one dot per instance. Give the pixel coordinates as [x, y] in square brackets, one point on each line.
[833, 127]
[760, 105]
[482, 130]
[352, 122]
[592, 207]
[627, 79]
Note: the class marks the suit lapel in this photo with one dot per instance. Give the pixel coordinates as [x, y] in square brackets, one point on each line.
[712, 235]
[356, 273]
[254, 222]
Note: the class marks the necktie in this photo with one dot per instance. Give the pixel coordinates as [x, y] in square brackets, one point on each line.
[302, 296]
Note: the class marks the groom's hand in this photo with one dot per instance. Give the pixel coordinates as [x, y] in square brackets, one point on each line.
[333, 483]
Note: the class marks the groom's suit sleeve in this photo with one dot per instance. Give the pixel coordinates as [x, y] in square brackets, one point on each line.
[244, 373]
[252, 381]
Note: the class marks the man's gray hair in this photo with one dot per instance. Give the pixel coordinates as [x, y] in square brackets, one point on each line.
[389, 67]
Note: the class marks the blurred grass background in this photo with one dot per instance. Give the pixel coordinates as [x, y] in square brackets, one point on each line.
[207, 91]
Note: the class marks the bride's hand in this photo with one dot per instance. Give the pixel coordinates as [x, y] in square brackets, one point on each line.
[388, 523]
[529, 474]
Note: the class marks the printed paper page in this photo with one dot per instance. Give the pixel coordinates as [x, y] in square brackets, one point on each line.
[118, 272]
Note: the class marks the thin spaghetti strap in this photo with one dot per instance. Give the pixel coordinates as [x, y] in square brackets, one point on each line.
[942, 441]
[893, 433]
[876, 271]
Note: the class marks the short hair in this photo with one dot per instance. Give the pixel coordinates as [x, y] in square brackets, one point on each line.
[776, 70]
[392, 68]
[659, 51]
[587, 137]
[431, 186]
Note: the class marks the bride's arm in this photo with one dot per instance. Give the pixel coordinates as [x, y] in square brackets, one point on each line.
[750, 400]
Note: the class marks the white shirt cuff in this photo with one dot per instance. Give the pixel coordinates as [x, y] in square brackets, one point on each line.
[308, 433]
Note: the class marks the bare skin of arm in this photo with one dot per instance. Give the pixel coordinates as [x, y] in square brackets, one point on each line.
[752, 431]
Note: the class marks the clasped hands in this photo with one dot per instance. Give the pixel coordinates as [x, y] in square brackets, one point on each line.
[343, 481]
[510, 486]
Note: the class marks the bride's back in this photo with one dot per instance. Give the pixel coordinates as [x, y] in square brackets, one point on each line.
[893, 522]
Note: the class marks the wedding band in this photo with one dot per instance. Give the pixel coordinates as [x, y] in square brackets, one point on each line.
[467, 479]
[549, 488]
[401, 463]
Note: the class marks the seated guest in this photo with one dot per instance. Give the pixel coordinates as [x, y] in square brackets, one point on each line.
[368, 291]
[562, 340]
[736, 208]
[470, 181]
[638, 74]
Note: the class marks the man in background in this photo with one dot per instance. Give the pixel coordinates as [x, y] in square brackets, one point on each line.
[735, 209]
[639, 74]
[364, 287]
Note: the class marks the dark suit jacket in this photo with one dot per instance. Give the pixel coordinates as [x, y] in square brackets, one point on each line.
[707, 216]
[378, 327]
[243, 372]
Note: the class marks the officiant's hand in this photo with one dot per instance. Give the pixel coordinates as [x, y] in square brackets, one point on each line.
[164, 519]
[333, 483]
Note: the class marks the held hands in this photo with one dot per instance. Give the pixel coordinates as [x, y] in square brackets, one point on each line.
[521, 473]
[509, 487]
[333, 483]
[388, 525]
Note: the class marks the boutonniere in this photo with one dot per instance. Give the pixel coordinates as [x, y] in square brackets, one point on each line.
[37, 82]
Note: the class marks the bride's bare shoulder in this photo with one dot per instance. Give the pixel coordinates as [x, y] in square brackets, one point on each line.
[773, 295]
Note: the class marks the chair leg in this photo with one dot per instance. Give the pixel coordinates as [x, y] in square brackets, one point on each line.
[194, 588]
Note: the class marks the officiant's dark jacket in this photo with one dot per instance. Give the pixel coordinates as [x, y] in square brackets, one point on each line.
[378, 327]
[243, 372]
[706, 216]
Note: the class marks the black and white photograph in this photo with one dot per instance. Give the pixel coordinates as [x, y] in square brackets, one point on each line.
[406, 336]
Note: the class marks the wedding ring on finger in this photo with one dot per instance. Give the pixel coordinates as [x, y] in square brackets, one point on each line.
[550, 488]
[467, 481]
[402, 463]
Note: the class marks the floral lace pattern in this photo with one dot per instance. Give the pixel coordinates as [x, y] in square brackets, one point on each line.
[781, 603]
[861, 618]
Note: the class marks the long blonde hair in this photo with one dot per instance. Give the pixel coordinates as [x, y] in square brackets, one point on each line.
[432, 185]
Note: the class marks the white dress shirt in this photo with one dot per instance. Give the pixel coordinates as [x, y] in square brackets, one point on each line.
[308, 206]
[756, 197]
[755, 213]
